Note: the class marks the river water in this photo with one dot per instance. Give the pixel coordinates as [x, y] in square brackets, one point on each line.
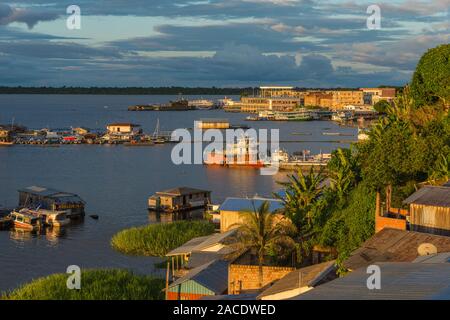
[116, 181]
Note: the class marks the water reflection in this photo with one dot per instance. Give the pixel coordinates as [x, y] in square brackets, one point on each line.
[162, 217]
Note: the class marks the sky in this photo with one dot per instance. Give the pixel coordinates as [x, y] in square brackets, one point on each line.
[223, 43]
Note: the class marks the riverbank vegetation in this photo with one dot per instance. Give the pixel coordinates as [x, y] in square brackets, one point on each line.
[408, 147]
[95, 285]
[158, 239]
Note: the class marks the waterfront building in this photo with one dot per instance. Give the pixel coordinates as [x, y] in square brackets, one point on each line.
[374, 95]
[259, 104]
[334, 99]
[122, 132]
[178, 199]
[51, 199]
[231, 210]
[210, 279]
[279, 91]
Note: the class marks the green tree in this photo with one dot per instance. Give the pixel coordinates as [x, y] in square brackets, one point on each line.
[342, 172]
[382, 106]
[304, 204]
[262, 229]
[431, 80]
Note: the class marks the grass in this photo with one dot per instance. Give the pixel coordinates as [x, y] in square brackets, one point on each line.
[158, 239]
[100, 284]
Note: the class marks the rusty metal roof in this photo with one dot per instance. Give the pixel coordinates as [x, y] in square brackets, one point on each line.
[392, 245]
[305, 277]
[431, 195]
[399, 281]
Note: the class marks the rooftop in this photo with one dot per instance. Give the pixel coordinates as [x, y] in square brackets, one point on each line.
[212, 275]
[392, 245]
[400, 281]
[181, 191]
[124, 124]
[431, 195]
[49, 193]
[245, 204]
[305, 277]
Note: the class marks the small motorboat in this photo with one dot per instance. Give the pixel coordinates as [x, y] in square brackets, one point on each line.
[25, 221]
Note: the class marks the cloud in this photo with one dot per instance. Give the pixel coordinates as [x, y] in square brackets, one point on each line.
[28, 16]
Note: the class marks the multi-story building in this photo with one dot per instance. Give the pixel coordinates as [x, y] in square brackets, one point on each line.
[258, 104]
[374, 95]
[336, 99]
[272, 92]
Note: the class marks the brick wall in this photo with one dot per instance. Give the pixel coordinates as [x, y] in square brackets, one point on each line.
[246, 277]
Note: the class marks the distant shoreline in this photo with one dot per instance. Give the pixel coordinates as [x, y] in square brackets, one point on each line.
[141, 90]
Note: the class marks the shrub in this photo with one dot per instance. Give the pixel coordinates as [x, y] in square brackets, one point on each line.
[99, 284]
[159, 239]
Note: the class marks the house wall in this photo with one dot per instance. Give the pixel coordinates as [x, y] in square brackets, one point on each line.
[385, 222]
[119, 129]
[230, 218]
[246, 277]
[188, 290]
[430, 219]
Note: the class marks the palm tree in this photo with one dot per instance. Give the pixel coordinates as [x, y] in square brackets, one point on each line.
[261, 229]
[303, 205]
[341, 173]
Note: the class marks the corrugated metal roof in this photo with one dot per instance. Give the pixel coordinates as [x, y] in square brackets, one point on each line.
[395, 246]
[51, 193]
[202, 243]
[243, 204]
[399, 281]
[434, 258]
[431, 195]
[304, 277]
[212, 275]
[243, 297]
[188, 247]
[182, 191]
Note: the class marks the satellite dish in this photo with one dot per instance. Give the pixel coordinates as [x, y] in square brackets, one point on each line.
[426, 249]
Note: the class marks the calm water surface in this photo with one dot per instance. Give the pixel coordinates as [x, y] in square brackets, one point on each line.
[115, 181]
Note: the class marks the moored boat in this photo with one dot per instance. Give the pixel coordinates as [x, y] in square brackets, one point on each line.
[23, 220]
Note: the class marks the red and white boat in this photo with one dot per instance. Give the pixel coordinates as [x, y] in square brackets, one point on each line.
[23, 220]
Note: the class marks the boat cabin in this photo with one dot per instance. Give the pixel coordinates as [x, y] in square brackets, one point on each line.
[51, 199]
[179, 199]
[26, 221]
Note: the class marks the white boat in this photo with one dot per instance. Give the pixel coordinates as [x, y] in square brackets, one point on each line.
[201, 104]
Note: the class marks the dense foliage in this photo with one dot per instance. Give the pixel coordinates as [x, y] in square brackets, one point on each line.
[95, 285]
[158, 239]
[409, 146]
[431, 80]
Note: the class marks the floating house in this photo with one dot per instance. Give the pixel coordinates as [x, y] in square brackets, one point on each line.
[209, 279]
[51, 199]
[179, 199]
[300, 281]
[122, 132]
[232, 208]
[205, 124]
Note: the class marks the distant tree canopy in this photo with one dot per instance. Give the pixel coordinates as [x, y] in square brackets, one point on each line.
[431, 80]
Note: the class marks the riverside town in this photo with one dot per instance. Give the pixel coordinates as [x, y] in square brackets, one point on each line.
[232, 153]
